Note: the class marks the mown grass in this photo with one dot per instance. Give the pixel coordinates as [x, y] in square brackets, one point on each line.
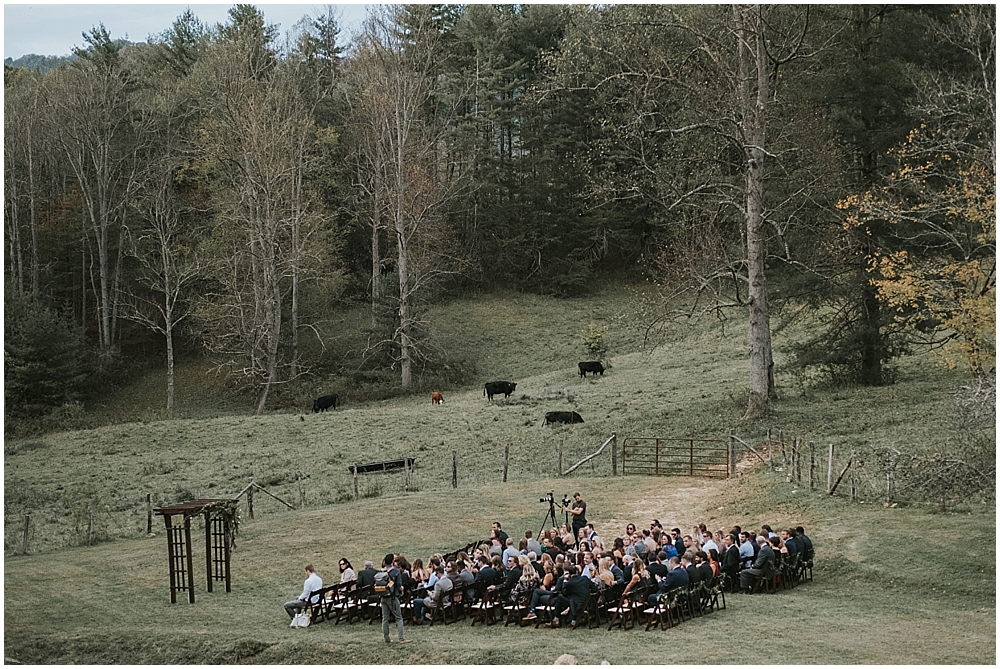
[882, 585]
[883, 593]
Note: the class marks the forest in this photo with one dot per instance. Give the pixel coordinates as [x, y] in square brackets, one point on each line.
[218, 191]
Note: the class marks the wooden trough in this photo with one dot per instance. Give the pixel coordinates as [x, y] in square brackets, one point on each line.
[383, 466]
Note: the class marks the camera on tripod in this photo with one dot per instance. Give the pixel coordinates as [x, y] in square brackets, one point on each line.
[550, 498]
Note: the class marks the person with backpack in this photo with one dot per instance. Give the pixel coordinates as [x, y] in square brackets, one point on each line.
[389, 586]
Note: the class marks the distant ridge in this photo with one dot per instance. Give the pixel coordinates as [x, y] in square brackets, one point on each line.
[33, 61]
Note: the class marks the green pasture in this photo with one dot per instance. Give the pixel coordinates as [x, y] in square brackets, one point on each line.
[899, 585]
[891, 585]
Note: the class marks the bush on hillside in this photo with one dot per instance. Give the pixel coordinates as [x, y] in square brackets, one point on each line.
[47, 360]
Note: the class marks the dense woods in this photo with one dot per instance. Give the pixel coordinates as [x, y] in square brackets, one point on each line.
[222, 189]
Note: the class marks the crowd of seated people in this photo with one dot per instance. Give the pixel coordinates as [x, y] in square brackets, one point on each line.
[557, 571]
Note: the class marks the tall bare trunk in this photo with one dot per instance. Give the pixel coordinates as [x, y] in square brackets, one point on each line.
[753, 64]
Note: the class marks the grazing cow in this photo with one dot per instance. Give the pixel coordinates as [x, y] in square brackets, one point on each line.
[437, 398]
[562, 417]
[497, 387]
[324, 403]
[594, 368]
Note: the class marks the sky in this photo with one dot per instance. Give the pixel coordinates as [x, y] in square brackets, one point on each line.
[50, 29]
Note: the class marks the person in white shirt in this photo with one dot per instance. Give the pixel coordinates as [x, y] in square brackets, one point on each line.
[709, 543]
[313, 583]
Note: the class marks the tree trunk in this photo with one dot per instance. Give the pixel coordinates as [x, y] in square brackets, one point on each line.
[753, 59]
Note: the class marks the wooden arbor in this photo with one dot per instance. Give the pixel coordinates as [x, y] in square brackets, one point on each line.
[220, 527]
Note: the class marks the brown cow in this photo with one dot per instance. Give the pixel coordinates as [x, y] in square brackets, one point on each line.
[437, 398]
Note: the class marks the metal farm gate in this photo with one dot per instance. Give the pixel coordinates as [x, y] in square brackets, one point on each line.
[676, 457]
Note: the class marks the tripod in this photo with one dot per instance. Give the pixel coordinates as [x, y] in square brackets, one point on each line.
[550, 516]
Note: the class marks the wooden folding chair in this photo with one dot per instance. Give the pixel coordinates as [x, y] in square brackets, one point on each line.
[485, 607]
[516, 611]
[622, 610]
[322, 610]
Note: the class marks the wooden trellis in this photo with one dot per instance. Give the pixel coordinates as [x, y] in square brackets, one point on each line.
[220, 526]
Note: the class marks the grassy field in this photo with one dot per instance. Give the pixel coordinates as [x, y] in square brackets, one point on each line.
[896, 585]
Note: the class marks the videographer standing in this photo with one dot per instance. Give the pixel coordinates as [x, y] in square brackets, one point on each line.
[579, 511]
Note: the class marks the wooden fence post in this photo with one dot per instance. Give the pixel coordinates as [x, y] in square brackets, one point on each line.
[454, 469]
[798, 462]
[614, 454]
[406, 480]
[854, 486]
[829, 470]
[24, 537]
[149, 514]
[302, 492]
[890, 480]
[506, 459]
[781, 440]
[250, 499]
[732, 452]
[560, 456]
[812, 466]
[355, 482]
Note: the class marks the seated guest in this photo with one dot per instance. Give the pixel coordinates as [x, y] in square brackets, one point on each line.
[486, 574]
[527, 582]
[747, 551]
[550, 548]
[687, 561]
[658, 568]
[574, 594]
[616, 571]
[762, 566]
[640, 578]
[804, 542]
[708, 543]
[423, 606]
[346, 571]
[419, 573]
[713, 562]
[533, 559]
[701, 563]
[533, 545]
[652, 546]
[567, 537]
[464, 580]
[678, 541]
[603, 576]
[366, 577]
[790, 543]
[677, 577]
[731, 558]
[510, 551]
[546, 593]
[638, 548]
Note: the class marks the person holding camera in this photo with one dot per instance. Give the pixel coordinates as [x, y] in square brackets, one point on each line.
[579, 511]
[392, 588]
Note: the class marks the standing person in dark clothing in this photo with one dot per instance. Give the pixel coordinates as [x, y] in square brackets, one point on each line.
[390, 599]
[579, 511]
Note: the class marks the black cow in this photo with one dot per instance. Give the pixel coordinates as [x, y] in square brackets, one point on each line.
[594, 368]
[562, 417]
[497, 387]
[324, 403]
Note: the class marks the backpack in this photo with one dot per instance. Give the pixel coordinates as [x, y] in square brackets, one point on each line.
[383, 584]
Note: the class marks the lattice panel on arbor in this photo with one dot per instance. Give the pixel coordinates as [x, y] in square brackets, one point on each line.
[220, 526]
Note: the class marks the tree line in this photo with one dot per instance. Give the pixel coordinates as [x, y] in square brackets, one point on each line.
[229, 186]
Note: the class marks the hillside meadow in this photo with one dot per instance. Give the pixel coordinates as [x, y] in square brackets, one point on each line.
[884, 591]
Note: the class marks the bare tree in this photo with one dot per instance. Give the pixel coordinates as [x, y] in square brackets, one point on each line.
[393, 87]
[257, 132]
[102, 134]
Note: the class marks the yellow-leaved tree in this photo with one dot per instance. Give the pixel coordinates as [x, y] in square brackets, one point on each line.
[937, 273]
